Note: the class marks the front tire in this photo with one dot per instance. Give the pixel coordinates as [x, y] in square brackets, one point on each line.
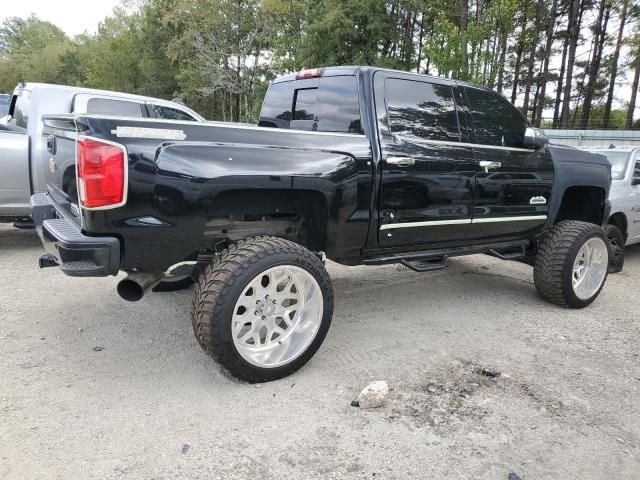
[616, 246]
[571, 264]
[262, 308]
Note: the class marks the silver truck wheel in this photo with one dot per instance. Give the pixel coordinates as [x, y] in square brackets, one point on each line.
[590, 268]
[571, 264]
[277, 316]
[262, 308]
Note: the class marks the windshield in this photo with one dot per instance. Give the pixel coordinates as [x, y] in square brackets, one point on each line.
[618, 161]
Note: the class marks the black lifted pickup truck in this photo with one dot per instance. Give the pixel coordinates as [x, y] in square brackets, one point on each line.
[360, 165]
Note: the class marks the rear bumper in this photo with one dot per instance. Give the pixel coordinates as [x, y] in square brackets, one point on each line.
[76, 254]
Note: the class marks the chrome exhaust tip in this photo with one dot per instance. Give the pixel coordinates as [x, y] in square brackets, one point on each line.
[136, 284]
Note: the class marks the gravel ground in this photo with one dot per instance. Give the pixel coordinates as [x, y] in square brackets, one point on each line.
[94, 388]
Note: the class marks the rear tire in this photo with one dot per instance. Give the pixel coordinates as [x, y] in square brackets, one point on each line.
[616, 246]
[174, 284]
[244, 310]
[571, 264]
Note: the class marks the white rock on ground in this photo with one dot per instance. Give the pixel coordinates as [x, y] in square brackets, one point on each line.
[373, 395]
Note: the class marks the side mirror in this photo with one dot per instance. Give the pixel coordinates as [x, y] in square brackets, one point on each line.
[535, 138]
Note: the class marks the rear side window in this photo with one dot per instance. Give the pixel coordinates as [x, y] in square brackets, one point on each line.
[422, 110]
[160, 111]
[276, 108]
[19, 109]
[118, 108]
[332, 106]
[495, 120]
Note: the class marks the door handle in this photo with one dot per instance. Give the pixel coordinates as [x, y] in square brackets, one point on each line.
[51, 144]
[489, 164]
[400, 161]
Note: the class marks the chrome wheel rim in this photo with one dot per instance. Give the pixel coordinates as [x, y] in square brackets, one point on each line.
[277, 316]
[590, 268]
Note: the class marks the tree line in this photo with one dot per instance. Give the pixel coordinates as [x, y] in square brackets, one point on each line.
[564, 63]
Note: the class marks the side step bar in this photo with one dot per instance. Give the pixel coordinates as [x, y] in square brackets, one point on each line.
[430, 260]
[521, 252]
[422, 266]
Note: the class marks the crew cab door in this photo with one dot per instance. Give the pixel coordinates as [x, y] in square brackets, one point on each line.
[427, 174]
[634, 216]
[15, 184]
[512, 183]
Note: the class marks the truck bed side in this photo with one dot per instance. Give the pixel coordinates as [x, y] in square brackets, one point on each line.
[192, 185]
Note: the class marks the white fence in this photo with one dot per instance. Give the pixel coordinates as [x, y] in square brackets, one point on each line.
[587, 138]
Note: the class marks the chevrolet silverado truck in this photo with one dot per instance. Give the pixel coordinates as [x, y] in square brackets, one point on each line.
[356, 164]
[25, 151]
[623, 226]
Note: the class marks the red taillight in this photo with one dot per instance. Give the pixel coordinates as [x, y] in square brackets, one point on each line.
[101, 174]
[309, 73]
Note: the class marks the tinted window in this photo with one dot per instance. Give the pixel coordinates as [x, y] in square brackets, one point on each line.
[636, 169]
[495, 120]
[276, 109]
[118, 108]
[306, 103]
[420, 109]
[169, 113]
[4, 104]
[330, 107]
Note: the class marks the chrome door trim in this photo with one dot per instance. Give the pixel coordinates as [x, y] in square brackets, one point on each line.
[462, 144]
[390, 226]
[509, 219]
[393, 226]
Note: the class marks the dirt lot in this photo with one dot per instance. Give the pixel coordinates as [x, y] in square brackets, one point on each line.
[94, 388]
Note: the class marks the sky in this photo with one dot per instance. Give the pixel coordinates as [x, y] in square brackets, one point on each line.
[72, 16]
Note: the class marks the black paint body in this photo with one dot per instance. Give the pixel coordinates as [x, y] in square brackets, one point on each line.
[335, 190]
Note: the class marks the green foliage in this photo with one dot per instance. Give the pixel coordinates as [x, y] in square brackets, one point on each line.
[596, 118]
[30, 49]
[343, 32]
[219, 55]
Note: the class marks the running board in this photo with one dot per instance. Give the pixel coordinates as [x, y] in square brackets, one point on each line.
[430, 265]
[517, 255]
[436, 256]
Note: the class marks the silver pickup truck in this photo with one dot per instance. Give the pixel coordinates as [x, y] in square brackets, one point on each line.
[25, 151]
[623, 226]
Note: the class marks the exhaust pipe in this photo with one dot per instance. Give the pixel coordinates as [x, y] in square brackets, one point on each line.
[136, 284]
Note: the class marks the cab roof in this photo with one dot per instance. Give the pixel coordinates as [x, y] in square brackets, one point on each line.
[31, 86]
[355, 69]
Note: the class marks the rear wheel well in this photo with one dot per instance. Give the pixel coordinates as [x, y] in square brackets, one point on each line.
[297, 215]
[619, 220]
[581, 203]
